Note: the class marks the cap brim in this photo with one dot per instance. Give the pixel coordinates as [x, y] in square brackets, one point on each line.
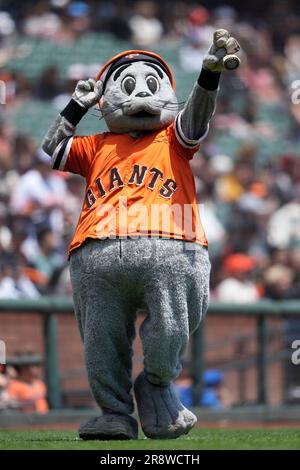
[133, 52]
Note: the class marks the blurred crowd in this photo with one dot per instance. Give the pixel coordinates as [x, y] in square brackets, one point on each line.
[21, 387]
[251, 205]
[214, 394]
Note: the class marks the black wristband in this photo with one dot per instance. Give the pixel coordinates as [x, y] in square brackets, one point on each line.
[73, 112]
[209, 80]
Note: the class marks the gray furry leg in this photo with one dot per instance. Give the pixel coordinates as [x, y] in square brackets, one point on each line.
[176, 294]
[106, 322]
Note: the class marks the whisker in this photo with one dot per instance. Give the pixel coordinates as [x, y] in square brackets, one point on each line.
[175, 103]
[111, 111]
[162, 104]
[115, 108]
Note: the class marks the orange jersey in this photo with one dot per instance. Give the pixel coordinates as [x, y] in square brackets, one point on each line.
[134, 186]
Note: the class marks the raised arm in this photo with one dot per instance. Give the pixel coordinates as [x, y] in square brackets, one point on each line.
[194, 119]
[87, 93]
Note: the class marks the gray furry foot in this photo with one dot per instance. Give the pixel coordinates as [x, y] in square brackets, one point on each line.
[161, 413]
[109, 426]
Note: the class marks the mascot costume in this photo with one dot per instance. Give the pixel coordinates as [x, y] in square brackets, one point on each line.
[121, 256]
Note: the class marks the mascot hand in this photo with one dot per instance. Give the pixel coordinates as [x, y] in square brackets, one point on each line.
[88, 92]
[221, 56]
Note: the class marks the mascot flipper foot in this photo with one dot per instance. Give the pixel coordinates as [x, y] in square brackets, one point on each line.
[109, 426]
[161, 413]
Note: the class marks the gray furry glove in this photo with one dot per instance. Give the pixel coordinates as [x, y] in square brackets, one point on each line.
[221, 56]
[88, 92]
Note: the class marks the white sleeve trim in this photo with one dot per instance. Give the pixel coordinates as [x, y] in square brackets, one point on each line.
[205, 134]
[61, 153]
[182, 139]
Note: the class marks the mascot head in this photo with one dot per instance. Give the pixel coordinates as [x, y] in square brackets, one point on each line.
[138, 92]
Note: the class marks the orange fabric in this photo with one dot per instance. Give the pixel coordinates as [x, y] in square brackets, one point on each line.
[35, 275]
[135, 187]
[259, 189]
[239, 263]
[25, 393]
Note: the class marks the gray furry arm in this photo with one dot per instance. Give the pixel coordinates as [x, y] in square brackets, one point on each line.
[63, 126]
[193, 120]
[86, 94]
[58, 131]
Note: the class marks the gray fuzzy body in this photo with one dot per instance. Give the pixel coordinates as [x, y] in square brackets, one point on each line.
[111, 279]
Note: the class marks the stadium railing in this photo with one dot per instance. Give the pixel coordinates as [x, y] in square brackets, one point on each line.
[49, 307]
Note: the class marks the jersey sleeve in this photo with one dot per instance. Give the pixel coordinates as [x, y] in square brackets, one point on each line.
[74, 154]
[186, 147]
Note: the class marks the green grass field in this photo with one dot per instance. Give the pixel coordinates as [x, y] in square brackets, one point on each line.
[198, 439]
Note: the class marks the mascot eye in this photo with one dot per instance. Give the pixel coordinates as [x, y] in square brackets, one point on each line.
[128, 85]
[152, 83]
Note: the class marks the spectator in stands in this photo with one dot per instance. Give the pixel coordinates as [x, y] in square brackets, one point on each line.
[198, 36]
[49, 263]
[145, 25]
[113, 18]
[284, 224]
[237, 286]
[7, 374]
[7, 25]
[48, 86]
[76, 22]
[4, 397]
[41, 22]
[40, 193]
[215, 395]
[13, 281]
[278, 282]
[5, 232]
[27, 390]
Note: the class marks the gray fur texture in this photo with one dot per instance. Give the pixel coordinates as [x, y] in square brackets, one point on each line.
[197, 112]
[110, 280]
[109, 426]
[161, 413]
[120, 109]
[58, 131]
